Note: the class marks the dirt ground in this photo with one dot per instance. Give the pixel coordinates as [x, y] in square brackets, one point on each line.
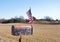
[41, 33]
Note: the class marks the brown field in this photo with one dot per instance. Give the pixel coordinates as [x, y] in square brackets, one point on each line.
[41, 33]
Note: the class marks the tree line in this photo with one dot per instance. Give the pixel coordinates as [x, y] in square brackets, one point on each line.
[23, 20]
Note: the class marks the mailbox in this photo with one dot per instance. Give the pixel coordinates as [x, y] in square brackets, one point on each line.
[21, 30]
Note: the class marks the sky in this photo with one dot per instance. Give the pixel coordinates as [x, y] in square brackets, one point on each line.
[39, 8]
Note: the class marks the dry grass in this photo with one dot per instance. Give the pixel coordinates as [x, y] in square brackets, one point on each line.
[41, 33]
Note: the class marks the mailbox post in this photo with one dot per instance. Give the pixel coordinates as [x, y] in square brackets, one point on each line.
[20, 39]
[21, 30]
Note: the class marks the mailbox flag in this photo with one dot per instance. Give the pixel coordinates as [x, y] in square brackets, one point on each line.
[29, 14]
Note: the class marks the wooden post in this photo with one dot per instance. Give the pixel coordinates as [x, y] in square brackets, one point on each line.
[20, 37]
[31, 29]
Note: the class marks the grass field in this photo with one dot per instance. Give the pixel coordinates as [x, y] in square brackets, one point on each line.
[41, 33]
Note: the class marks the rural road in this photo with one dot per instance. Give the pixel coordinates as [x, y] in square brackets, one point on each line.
[5, 39]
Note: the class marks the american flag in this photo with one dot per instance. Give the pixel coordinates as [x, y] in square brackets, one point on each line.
[29, 14]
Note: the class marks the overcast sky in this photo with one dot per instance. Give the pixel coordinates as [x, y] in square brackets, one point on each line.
[39, 8]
